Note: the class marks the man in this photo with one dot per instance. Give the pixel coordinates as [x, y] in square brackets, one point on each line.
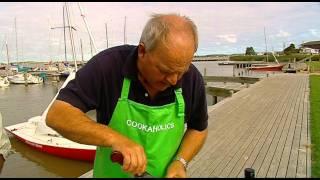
[5, 145]
[143, 96]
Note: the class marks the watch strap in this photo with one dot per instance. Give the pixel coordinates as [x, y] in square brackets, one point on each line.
[183, 161]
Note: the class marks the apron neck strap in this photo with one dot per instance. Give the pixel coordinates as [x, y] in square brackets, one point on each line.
[180, 101]
[125, 88]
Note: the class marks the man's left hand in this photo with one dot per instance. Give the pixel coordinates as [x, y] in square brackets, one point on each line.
[176, 170]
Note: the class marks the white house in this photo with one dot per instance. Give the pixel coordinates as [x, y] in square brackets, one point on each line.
[311, 47]
[310, 50]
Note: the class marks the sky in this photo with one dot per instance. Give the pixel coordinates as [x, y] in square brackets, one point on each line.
[33, 30]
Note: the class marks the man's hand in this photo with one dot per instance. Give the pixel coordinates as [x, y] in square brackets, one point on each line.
[191, 143]
[176, 170]
[134, 158]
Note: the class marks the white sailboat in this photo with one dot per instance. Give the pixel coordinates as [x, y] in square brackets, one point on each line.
[25, 78]
[38, 135]
[4, 82]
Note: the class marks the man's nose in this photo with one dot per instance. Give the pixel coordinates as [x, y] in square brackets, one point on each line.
[172, 78]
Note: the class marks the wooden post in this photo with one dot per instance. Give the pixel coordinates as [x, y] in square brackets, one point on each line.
[204, 75]
[233, 71]
[215, 99]
[310, 63]
[25, 79]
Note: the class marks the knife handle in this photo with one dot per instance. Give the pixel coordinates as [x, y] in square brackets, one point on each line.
[116, 157]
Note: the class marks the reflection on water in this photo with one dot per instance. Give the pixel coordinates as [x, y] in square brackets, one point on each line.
[28, 162]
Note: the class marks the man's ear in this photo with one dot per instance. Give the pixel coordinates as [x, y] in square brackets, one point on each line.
[141, 50]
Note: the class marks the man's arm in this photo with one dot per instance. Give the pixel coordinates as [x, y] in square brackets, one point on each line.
[75, 125]
[191, 144]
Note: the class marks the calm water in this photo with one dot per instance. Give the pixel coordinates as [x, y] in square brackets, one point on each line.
[18, 103]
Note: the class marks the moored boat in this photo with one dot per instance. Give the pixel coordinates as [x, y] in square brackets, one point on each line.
[25, 78]
[50, 142]
[275, 67]
[37, 134]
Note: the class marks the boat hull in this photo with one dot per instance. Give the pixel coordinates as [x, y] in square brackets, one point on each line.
[53, 145]
[267, 68]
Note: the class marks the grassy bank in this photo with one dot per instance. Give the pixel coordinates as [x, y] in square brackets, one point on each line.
[315, 123]
[281, 58]
[314, 66]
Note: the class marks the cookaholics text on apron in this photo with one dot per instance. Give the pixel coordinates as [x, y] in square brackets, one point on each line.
[152, 129]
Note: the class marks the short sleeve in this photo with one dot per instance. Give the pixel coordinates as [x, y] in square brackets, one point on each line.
[198, 109]
[84, 91]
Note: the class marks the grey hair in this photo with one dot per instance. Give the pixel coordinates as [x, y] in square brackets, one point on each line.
[156, 30]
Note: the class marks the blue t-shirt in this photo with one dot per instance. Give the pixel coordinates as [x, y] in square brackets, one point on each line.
[98, 85]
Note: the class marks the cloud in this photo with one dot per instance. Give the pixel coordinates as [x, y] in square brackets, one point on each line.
[231, 38]
[315, 32]
[283, 34]
[217, 23]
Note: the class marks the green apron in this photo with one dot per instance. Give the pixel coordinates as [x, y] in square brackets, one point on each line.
[159, 129]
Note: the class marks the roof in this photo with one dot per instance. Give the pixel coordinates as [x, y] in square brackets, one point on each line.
[312, 44]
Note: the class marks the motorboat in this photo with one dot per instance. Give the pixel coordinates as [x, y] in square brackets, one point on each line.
[25, 78]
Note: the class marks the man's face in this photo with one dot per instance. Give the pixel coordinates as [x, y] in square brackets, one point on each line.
[161, 69]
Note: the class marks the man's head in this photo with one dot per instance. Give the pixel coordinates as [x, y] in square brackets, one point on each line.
[166, 48]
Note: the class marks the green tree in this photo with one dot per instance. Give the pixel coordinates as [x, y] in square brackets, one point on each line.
[291, 49]
[250, 51]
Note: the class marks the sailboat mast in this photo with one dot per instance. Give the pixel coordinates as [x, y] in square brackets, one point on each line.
[91, 48]
[107, 36]
[71, 37]
[64, 36]
[265, 41]
[21, 47]
[50, 44]
[87, 27]
[124, 30]
[81, 51]
[8, 59]
[15, 28]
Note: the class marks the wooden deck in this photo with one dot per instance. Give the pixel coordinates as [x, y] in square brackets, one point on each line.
[264, 127]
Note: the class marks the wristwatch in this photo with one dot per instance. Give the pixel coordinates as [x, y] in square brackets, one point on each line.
[183, 161]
